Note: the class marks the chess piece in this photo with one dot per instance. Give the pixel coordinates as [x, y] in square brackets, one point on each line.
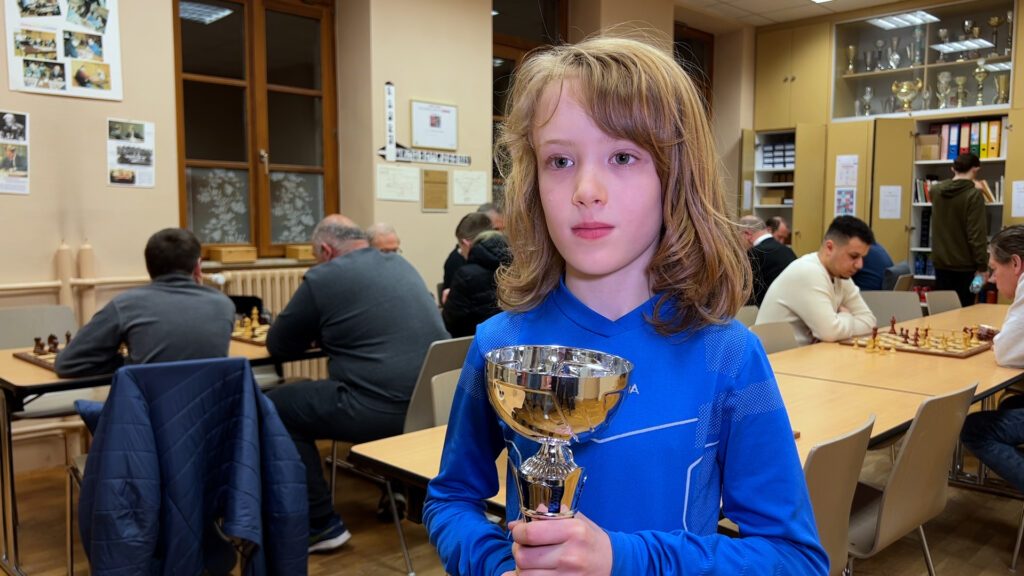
[67, 338]
[892, 324]
[52, 344]
[255, 316]
[974, 338]
[39, 349]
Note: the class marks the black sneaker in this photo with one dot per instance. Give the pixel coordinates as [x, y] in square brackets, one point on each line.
[330, 537]
[384, 507]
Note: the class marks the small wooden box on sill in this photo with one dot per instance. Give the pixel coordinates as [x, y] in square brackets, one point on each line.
[300, 252]
[232, 254]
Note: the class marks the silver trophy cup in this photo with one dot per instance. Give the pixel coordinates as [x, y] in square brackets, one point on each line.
[553, 395]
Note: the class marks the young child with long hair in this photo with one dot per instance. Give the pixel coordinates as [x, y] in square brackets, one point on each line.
[622, 242]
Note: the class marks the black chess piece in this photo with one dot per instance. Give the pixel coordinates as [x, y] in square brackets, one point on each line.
[39, 348]
[53, 344]
[67, 338]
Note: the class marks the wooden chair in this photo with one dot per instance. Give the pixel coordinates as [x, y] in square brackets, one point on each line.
[884, 305]
[941, 301]
[905, 283]
[442, 389]
[775, 336]
[915, 491]
[831, 470]
[747, 315]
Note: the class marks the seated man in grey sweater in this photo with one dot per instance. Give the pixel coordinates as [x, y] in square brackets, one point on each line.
[171, 318]
[372, 315]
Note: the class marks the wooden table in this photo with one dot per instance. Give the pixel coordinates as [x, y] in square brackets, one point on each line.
[906, 371]
[20, 381]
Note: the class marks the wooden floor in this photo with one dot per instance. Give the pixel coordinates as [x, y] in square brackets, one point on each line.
[973, 536]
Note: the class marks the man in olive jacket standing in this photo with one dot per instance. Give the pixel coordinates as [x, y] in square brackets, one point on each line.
[959, 230]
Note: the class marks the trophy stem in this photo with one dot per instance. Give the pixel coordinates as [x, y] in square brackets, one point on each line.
[549, 482]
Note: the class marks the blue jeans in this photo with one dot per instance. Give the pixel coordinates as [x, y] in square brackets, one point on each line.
[994, 436]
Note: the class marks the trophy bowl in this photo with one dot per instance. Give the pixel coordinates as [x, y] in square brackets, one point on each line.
[553, 395]
[906, 91]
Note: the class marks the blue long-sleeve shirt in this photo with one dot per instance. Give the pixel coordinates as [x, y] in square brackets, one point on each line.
[702, 424]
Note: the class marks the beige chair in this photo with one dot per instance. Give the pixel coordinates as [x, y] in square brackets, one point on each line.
[904, 283]
[442, 388]
[775, 336]
[747, 315]
[941, 301]
[884, 305]
[915, 491]
[831, 470]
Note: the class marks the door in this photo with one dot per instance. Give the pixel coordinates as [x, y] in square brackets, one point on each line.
[893, 167]
[1014, 143]
[771, 80]
[808, 188]
[808, 86]
[849, 142]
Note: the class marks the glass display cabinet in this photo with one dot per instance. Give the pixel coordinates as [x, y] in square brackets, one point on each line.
[941, 59]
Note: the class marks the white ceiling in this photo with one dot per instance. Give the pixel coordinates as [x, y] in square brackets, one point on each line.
[727, 15]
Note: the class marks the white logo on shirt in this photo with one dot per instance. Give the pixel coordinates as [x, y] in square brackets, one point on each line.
[633, 389]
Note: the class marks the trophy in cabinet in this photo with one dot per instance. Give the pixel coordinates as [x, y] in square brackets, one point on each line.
[869, 61]
[975, 35]
[880, 47]
[944, 88]
[866, 98]
[553, 395]
[995, 22]
[906, 91]
[894, 52]
[966, 26]
[961, 90]
[980, 73]
[918, 52]
[851, 57]
[926, 98]
[1002, 89]
[943, 38]
[1009, 33]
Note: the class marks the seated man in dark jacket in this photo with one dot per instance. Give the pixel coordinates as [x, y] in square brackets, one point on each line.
[372, 315]
[171, 318]
[768, 258]
[473, 297]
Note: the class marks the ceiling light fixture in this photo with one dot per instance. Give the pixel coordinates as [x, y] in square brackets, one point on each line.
[903, 20]
[495, 12]
[820, 1]
[963, 45]
[202, 13]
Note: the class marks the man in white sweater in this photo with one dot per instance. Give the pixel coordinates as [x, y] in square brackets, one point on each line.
[815, 294]
[994, 435]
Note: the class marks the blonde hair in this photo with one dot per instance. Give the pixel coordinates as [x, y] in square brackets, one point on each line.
[636, 92]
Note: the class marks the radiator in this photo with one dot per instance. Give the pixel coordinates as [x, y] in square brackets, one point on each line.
[275, 287]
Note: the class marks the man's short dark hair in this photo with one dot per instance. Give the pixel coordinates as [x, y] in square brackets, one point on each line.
[489, 207]
[473, 224]
[774, 222]
[965, 162]
[171, 251]
[845, 227]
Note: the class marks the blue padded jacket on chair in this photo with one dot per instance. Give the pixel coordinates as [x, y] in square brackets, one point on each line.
[178, 447]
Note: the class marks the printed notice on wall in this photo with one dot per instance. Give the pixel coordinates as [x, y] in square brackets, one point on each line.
[846, 201]
[398, 183]
[64, 47]
[891, 200]
[131, 153]
[1018, 199]
[846, 170]
[469, 187]
[14, 144]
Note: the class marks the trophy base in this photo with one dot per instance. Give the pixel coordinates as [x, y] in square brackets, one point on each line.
[549, 483]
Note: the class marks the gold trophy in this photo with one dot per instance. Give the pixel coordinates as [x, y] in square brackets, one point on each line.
[944, 88]
[980, 73]
[553, 395]
[906, 91]
[995, 22]
[851, 56]
[1002, 89]
[961, 90]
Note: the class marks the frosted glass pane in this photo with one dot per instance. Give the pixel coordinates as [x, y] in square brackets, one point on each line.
[296, 205]
[218, 205]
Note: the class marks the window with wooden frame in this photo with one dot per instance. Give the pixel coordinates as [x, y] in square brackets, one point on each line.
[257, 144]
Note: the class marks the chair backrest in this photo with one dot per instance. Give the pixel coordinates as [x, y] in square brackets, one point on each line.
[443, 387]
[831, 470]
[18, 326]
[775, 336]
[941, 301]
[747, 315]
[442, 356]
[916, 490]
[905, 283]
[892, 275]
[885, 305]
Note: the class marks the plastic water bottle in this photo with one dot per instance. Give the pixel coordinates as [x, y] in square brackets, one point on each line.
[976, 284]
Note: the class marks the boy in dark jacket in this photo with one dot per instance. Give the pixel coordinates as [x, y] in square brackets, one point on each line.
[473, 297]
[959, 230]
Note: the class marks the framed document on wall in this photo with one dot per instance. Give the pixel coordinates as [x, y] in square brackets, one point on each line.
[435, 126]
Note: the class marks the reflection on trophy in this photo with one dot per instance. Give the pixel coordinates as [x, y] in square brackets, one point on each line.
[995, 22]
[961, 90]
[944, 88]
[553, 395]
[1009, 33]
[943, 38]
[894, 52]
[918, 46]
[851, 56]
[906, 91]
[866, 99]
[880, 46]
[1002, 89]
[966, 27]
[979, 75]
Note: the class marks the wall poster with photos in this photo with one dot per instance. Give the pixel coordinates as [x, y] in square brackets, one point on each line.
[64, 47]
[131, 153]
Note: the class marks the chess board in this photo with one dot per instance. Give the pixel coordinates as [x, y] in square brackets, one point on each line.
[259, 335]
[954, 344]
[43, 360]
